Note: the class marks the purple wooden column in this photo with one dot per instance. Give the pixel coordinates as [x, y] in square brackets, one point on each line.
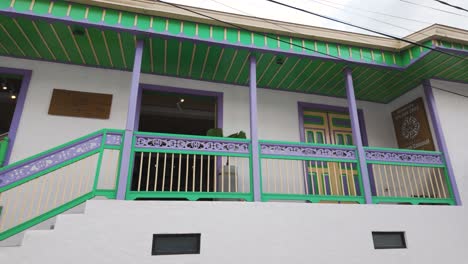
[353, 113]
[130, 126]
[439, 134]
[254, 129]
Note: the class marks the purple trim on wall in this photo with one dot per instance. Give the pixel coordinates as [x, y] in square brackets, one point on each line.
[19, 106]
[161, 88]
[353, 113]
[254, 130]
[301, 106]
[440, 137]
[166, 35]
[131, 120]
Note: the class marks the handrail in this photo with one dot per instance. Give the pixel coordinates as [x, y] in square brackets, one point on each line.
[50, 172]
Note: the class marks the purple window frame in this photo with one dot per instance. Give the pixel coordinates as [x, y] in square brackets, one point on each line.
[14, 125]
[172, 89]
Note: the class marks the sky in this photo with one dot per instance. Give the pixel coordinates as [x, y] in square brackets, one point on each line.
[396, 17]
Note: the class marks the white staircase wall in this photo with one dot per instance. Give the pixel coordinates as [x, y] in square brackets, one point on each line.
[240, 232]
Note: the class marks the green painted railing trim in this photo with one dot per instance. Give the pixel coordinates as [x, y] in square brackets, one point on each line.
[44, 153]
[99, 163]
[109, 194]
[192, 196]
[415, 201]
[409, 163]
[208, 153]
[3, 149]
[403, 150]
[191, 137]
[286, 157]
[307, 144]
[312, 198]
[39, 219]
[56, 167]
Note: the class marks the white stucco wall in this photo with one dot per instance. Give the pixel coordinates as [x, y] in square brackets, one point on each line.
[277, 110]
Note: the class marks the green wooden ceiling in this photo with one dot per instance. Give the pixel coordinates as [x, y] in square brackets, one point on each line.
[293, 70]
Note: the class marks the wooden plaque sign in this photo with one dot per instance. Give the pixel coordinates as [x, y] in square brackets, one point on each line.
[80, 104]
[411, 126]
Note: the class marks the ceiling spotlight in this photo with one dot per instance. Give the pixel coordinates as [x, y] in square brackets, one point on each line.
[4, 87]
[182, 100]
[13, 96]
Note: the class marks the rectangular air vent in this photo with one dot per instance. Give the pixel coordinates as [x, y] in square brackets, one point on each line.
[388, 240]
[175, 244]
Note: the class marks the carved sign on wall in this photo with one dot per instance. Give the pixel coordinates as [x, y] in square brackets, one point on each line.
[411, 126]
[80, 104]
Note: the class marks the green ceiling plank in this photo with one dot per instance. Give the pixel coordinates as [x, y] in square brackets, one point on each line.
[41, 7]
[35, 38]
[146, 58]
[19, 38]
[60, 9]
[143, 22]
[272, 72]
[111, 17]
[198, 60]
[172, 55]
[264, 62]
[301, 66]
[218, 33]
[77, 12]
[158, 55]
[331, 79]
[283, 72]
[372, 77]
[173, 26]
[456, 66]
[95, 14]
[211, 61]
[304, 75]
[313, 83]
[99, 46]
[320, 85]
[114, 48]
[65, 37]
[86, 49]
[9, 44]
[381, 84]
[128, 42]
[51, 40]
[189, 29]
[223, 64]
[186, 58]
[268, 73]
[241, 59]
[21, 5]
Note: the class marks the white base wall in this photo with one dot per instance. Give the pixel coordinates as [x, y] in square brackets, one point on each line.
[239, 232]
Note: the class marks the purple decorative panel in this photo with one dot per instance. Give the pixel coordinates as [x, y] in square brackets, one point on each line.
[308, 151]
[195, 144]
[113, 139]
[404, 157]
[49, 160]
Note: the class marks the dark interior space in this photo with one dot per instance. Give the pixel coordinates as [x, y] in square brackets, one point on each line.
[9, 89]
[177, 113]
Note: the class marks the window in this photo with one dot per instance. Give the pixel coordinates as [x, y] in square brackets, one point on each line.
[388, 240]
[174, 244]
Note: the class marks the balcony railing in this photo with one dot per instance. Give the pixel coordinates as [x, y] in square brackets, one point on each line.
[3, 148]
[310, 172]
[189, 167]
[408, 176]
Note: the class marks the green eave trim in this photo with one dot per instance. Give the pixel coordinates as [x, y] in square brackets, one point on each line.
[61, 9]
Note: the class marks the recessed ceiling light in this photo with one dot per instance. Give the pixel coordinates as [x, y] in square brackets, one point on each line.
[13, 96]
[182, 100]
